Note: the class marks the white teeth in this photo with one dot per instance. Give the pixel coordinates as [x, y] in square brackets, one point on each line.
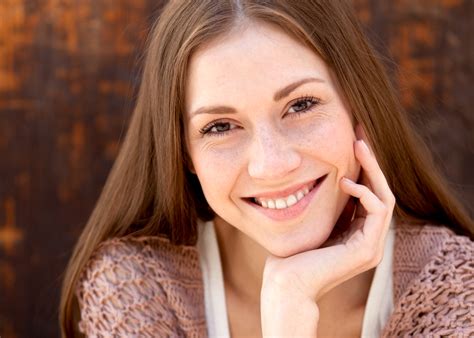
[271, 204]
[299, 195]
[280, 204]
[291, 200]
[283, 203]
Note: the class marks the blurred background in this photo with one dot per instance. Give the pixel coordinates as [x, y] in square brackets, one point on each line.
[69, 72]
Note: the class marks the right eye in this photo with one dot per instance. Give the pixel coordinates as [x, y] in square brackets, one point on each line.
[217, 128]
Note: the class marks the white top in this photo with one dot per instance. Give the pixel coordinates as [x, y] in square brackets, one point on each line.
[214, 294]
[379, 304]
[377, 311]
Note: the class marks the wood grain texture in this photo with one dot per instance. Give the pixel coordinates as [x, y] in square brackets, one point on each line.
[68, 76]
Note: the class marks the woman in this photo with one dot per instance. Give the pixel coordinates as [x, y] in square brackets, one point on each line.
[255, 191]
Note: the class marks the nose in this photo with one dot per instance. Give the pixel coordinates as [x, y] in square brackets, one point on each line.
[272, 155]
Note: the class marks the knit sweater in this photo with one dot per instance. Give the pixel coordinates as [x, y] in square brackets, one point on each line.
[147, 287]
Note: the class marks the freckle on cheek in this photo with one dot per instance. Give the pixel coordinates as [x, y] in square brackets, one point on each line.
[222, 163]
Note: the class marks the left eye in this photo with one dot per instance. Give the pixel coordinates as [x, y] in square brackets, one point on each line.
[302, 105]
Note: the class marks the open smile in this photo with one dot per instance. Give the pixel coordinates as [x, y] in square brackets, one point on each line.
[289, 205]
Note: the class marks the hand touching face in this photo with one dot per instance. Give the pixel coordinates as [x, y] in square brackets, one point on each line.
[293, 286]
[269, 138]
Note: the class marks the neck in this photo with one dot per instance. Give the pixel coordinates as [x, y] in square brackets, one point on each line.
[243, 261]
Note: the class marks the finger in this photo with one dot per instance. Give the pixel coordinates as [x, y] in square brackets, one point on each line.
[344, 220]
[367, 198]
[377, 211]
[387, 197]
[373, 172]
[360, 211]
[360, 252]
[361, 135]
[363, 179]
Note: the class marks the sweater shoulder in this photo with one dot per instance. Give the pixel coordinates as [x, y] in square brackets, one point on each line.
[145, 255]
[415, 246]
[429, 236]
[142, 286]
[434, 288]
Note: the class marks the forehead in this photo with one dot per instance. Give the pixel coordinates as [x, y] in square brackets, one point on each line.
[257, 57]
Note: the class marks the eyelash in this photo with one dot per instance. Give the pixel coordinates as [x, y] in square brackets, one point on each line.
[206, 130]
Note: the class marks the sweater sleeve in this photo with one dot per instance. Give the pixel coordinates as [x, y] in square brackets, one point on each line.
[440, 300]
[124, 292]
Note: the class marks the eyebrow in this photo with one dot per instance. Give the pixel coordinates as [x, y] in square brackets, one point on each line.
[280, 94]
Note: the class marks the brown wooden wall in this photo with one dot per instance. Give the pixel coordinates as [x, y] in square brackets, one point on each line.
[68, 74]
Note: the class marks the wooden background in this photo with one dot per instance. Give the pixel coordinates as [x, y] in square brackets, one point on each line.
[68, 76]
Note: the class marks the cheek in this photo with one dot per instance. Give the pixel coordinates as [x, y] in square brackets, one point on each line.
[217, 171]
[331, 140]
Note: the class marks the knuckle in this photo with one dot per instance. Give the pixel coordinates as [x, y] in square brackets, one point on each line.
[281, 277]
[383, 209]
[393, 201]
[282, 281]
[377, 258]
[365, 191]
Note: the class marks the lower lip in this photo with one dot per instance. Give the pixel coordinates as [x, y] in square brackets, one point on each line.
[293, 211]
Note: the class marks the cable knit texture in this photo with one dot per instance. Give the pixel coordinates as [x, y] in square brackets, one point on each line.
[433, 284]
[142, 287]
[147, 287]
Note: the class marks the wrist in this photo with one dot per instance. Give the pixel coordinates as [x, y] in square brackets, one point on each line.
[288, 314]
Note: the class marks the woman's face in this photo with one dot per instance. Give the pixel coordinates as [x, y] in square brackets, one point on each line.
[269, 138]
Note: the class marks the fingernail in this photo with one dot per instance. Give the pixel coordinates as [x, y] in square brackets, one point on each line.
[347, 180]
[364, 145]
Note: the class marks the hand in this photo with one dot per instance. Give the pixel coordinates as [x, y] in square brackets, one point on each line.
[292, 286]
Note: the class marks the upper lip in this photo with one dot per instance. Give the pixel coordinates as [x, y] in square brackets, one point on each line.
[287, 191]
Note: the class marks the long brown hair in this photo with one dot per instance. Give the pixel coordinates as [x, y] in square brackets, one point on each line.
[150, 190]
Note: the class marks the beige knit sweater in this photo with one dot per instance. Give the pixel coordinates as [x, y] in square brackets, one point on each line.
[147, 287]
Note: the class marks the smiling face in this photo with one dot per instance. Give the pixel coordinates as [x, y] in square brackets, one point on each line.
[269, 138]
